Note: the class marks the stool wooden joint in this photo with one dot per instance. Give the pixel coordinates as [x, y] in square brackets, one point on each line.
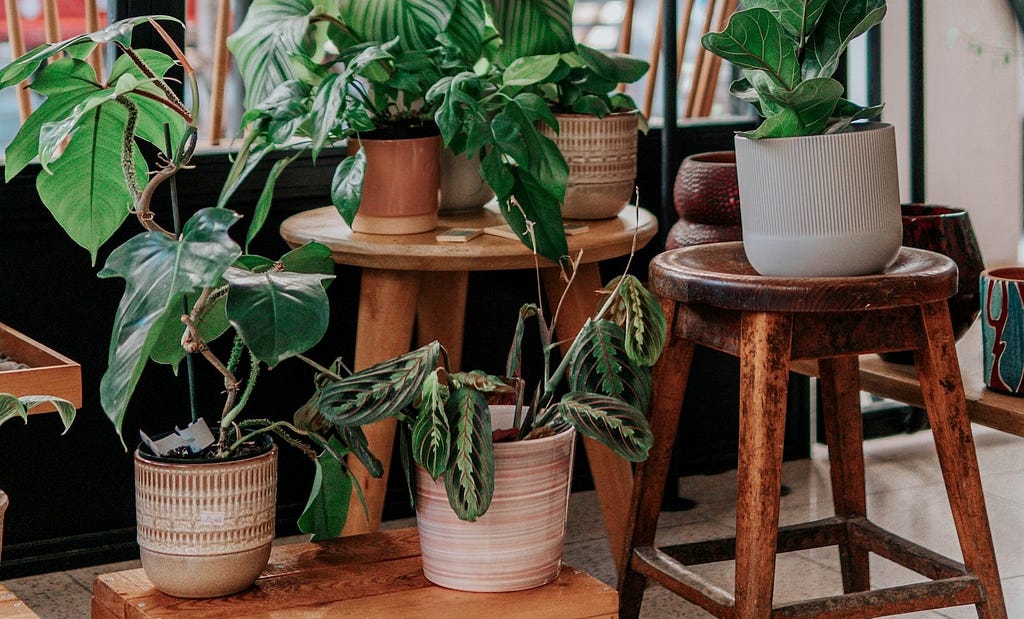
[713, 298]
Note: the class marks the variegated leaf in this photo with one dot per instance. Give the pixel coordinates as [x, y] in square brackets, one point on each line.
[416, 23]
[599, 363]
[640, 315]
[482, 382]
[431, 433]
[379, 391]
[355, 438]
[469, 480]
[610, 421]
[516, 351]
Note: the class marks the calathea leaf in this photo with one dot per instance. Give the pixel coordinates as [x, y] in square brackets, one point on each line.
[327, 507]
[360, 447]
[272, 31]
[466, 29]
[515, 352]
[469, 481]
[840, 22]
[379, 391]
[753, 39]
[599, 363]
[431, 433]
[532, 27]
[416, 23]
[640, 315]
[610, 421]
[347, 185]
[277, 314]
[158, 270]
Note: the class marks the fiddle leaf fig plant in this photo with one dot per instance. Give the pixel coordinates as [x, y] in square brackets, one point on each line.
[184, 288]
[788, 51]
[601, 387]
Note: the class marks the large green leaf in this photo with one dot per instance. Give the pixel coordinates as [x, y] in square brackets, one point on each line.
[431, 432]
[805, 111]
[416, 23]
[840, 22]
[262, 209]
[469, 480]
[17, 407]
[272, 31]
[753, 39]
[327, 507]
[360, 447]
[613, 66]
[312, 257]
[467, 28]
[798, 17]
[640, 315]
[347, 185]
[158, 270]
[379, 391]
[599, 363]
[278, 314]
[85, 189]
[612, 422]
[211, 324]
[531, 27]
[119, 31]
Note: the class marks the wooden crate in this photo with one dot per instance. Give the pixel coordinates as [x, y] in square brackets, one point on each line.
[13, 608]
[372, 575]
[51, 373]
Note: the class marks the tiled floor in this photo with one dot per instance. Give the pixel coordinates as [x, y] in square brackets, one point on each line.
[905, 494]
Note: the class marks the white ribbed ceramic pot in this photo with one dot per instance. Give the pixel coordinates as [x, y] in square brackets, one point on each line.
[820, 206]
[601, 154]
[3, 508]
[205, 529]
[518, 543]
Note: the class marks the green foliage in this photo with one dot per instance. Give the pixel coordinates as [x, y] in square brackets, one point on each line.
[788, 51]
[12, 407]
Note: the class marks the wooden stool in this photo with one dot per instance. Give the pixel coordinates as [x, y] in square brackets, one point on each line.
[712, 297]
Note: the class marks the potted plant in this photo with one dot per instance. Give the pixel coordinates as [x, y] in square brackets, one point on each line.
[205, 499]
[491, 455]
[596, 127]
[18, 407]
[819, 192]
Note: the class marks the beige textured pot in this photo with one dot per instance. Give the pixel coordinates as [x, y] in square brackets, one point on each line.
[205, 529]
[601, 153]
[3, 508]
[518, 543]
[400, 185]
[462, 187]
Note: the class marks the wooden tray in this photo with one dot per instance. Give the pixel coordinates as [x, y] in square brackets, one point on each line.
[51, 373]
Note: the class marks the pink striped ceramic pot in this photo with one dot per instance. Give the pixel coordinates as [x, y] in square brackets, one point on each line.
[518, 543]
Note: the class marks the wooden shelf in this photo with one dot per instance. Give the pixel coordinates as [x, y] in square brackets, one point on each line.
[51, 373]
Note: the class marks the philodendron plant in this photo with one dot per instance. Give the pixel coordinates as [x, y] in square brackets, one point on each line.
[15, 407]
[184, 287]
[788, 51]
[601, 386]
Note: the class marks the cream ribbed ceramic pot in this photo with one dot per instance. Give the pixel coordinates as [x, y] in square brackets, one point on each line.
[822, 205]
[601, 154]
[205, 529]
[518, 543]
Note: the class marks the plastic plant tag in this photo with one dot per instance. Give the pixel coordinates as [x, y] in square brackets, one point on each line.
[163, 446]
[196, 436]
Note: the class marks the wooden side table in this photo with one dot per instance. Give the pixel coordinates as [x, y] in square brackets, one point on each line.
[13, 608]
[372, 575]
[415, 280]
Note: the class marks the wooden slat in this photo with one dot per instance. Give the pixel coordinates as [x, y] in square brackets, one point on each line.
[51, 373]
[687, 584]
[221, 64]
[889, 601]
[92, 24]
[652, 73]
[17, 42]
[13, 608]
[51, 17]
[698, 64]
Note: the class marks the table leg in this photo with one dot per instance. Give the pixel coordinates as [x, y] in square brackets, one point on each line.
[613, 476]
[441, 313]
[387, 313]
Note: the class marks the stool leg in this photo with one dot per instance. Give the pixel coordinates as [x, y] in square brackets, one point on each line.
[844, 432]
[943, 391]
[670, 376]
[765, 340]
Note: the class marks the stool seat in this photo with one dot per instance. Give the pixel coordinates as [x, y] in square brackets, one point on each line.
[719, 275]
[712, 297]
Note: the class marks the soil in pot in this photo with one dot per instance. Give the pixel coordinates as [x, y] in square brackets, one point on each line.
[205, 527]
[9, 363]
[518, 543]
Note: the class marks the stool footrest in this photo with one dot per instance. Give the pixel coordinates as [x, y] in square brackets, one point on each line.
[950, 583]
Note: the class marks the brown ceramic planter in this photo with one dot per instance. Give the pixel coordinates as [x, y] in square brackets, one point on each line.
[205, 529]
[601, 153]
[518, 543]
[400, 185]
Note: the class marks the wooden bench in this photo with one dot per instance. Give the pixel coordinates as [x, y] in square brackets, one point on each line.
[13, 608]
[372, 575]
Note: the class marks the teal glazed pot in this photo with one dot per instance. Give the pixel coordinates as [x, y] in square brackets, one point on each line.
[1002, 329]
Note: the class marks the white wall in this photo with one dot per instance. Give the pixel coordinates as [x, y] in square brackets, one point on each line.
[972, 114]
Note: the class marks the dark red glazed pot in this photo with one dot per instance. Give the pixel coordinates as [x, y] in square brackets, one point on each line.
[707, 199]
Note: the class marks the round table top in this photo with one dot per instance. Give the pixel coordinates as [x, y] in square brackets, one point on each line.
[719, 275]
[606, 238]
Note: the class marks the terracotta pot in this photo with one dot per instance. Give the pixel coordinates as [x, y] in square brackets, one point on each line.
[947, 231]
[400, 185]
[820, 205]
[462, 187]
[518, 543]
[3, 508]
[601, 153]
[707, 199]
[205, 529]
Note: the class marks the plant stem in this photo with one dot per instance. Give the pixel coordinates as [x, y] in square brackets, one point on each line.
[319, 368]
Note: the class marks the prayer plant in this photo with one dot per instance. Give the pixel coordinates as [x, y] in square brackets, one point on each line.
[184, 288]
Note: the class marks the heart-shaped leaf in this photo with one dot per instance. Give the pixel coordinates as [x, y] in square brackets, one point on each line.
[840, 22]
[532, 27]
[753, 39]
